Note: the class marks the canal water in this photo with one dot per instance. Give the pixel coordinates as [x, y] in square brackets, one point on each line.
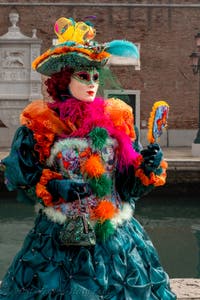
[173, 223]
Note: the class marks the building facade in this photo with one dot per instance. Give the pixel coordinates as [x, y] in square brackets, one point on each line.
[164, 31]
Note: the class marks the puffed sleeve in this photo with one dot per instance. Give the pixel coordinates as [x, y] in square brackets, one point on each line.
[22, 166]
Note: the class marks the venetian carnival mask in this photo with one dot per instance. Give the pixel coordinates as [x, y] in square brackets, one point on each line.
[84, 84]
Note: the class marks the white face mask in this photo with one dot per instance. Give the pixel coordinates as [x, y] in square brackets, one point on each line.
[84, 85]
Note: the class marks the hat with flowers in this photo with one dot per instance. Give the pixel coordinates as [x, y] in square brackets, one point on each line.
[76, 48]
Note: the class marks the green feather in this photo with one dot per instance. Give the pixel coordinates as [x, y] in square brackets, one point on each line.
[98, 136]
[101, 186]
[104, 230]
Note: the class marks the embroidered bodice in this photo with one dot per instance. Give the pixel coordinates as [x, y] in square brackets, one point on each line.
[79, 160]
[68, 156]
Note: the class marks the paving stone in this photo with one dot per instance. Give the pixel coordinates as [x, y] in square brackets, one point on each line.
[186, 288]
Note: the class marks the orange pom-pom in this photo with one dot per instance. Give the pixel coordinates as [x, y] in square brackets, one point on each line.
[104, 211]
[93, 166]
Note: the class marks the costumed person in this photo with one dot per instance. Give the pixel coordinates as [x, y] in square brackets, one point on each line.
[75, 156]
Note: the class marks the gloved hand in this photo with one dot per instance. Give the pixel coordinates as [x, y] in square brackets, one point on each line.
[67, 189]
[152, 157]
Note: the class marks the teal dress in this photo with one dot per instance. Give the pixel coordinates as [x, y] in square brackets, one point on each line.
[122, 266]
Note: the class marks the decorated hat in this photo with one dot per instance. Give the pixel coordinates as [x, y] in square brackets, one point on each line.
[76, 48]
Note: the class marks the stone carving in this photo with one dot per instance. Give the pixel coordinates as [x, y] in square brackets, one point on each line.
[14, 18]
[13, 58]
[34, 33]
[14, 75]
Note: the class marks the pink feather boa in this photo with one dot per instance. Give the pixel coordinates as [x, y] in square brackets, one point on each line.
[88, 115]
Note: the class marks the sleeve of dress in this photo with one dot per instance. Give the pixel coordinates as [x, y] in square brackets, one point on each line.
[133, 183]
[32, 180]
[150, 170]
[22, 166]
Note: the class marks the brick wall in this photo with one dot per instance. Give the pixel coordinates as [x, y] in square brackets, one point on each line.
[164, 30]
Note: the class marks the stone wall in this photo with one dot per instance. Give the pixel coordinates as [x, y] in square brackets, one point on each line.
[164, 29]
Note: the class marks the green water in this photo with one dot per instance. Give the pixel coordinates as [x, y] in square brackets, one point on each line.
[173, 224]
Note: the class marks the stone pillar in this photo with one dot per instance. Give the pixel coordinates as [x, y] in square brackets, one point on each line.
[19, 84]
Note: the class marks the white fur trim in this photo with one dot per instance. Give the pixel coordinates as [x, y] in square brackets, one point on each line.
[54, 215]
[78, 143]
[125, 214]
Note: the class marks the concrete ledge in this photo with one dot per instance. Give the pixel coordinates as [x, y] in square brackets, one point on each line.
[183, 165]
[186, 288]
[195, 149]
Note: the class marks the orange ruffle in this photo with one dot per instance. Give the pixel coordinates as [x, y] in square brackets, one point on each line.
[156, 180]
[122, 116]
[164, 164]
[41, 190]
[45, 124]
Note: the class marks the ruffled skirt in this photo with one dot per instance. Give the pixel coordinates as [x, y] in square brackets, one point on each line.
[125, 267]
